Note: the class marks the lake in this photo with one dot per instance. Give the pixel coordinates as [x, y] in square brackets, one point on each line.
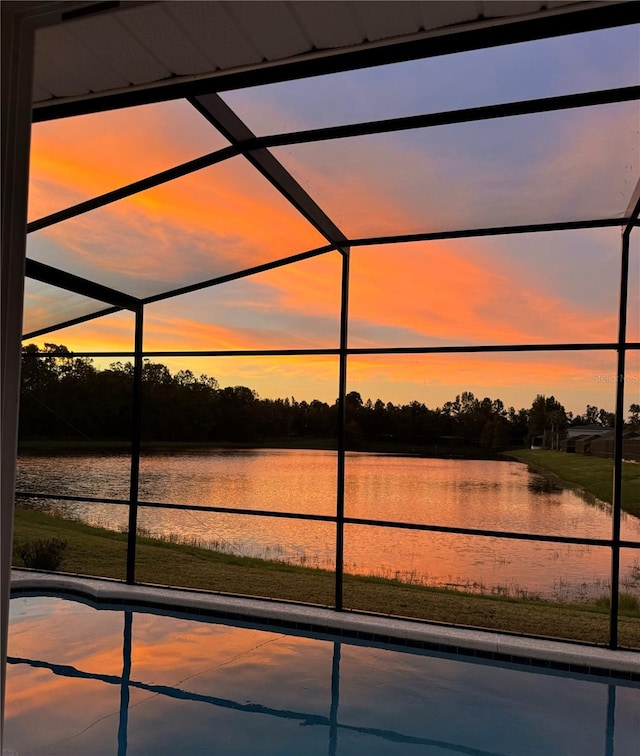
[492, 495]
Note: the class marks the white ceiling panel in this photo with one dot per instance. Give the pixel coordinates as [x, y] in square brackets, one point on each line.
[439, 14]
[271, 27]
[74, 54]
[57, 79]
[496, 8]
[329, 25]
[215, 33]
[133, 46]
[118, 49]
[165, 39]
[39, 93]
[380, 21]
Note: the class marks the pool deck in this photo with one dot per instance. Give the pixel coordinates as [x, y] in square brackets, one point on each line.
[503, 647]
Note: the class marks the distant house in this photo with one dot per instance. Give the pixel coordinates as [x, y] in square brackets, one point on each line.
[578, 437]
[585, 430]
[600, 442]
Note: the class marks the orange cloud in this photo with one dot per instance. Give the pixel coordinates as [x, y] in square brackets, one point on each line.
[215, 221]
[166, 333]
[227, 218]
[312, 286]
[452, 293]
[81, 157]
[223, 219]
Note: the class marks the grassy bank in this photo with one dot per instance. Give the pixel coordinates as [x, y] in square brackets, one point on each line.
[591, 474]
[94, 551]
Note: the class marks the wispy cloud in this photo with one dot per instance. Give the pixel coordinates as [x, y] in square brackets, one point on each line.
[214, 222]
[84, 156]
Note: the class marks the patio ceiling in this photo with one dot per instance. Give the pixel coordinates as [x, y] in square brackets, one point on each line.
[248, 81]
[109, 49]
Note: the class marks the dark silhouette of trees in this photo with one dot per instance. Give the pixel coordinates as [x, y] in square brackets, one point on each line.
[67, 397]
[595, 416]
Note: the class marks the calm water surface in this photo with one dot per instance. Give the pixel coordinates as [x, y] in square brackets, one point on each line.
[460, 493]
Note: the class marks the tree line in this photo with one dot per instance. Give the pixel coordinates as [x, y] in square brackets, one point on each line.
[65, 397]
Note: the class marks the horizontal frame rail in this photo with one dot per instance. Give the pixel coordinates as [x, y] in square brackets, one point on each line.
[463, 349]
[511, 535]
[448, 117]
[468, 233]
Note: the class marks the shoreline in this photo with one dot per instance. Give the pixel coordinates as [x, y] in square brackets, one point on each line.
[93, 551]
[433, 451]
[587, 475]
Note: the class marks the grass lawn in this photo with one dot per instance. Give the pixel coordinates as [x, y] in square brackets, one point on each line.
[592, 474]
[94, 551]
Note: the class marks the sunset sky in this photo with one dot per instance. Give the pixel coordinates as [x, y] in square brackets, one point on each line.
[531, 289]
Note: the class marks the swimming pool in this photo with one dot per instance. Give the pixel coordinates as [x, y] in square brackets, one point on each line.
[93, 681]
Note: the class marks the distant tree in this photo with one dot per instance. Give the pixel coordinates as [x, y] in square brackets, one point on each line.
[592, 415]
[353, 401]
[547, 418]
[606, 419]
[518, 425]
[595, 416]
[235, 418]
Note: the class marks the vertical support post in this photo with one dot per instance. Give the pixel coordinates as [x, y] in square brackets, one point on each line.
[136, 429]
[17, 69]
[342, 390]
[617, 451]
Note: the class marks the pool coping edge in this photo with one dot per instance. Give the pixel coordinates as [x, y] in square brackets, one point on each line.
[563, 655]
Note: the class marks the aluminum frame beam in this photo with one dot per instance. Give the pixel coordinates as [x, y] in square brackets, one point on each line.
[83, 286]
[220, 115]
[633, 209]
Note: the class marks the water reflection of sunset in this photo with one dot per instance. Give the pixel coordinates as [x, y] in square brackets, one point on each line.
[193, 686]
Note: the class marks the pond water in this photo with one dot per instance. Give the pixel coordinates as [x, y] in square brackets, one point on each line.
[490, 495]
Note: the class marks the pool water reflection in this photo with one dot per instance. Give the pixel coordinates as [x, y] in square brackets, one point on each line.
[104, 681]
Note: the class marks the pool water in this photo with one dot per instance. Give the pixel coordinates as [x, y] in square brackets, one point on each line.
[93, 681]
